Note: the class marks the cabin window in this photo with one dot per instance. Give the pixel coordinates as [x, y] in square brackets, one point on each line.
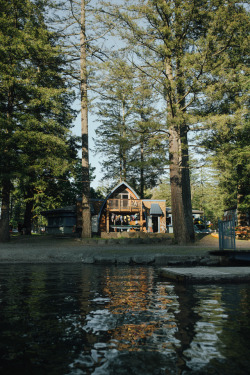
[168, 220]
[122, 195]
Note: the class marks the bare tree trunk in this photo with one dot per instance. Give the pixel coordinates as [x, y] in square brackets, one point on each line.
[142, 184]
[180, 188]
[86, 212]
[6, 183]
[28, 212]
[179, 165]
[4, 220]
[241, 215]
[123, 147]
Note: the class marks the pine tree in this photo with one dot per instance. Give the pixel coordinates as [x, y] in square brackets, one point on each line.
[86, 214]
[80, 33]
[148, 135]
[35, 105]
[181, 42]
[224, 114]
[115, 114]
[129, 136]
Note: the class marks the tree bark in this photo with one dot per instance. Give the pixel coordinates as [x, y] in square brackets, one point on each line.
[6, 182]
[28, 213]
[180, 188]
[4, 221]
[86, 212]
[123, 148]
[181, 205]
[142, 184]
[241, 215]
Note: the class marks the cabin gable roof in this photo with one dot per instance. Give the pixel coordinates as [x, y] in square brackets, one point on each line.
[117, 188]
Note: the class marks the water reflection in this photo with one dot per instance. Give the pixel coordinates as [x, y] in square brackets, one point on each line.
[135, 312]
[206, 344]
[68, 319]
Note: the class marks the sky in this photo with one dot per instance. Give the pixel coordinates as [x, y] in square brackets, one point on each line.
[93, 160]
[112, 42]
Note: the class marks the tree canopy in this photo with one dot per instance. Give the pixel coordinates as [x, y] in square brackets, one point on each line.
[181, 45]
[35, 103]
[129, 134]
[171, 73]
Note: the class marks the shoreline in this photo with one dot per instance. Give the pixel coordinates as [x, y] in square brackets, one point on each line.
[45, 249]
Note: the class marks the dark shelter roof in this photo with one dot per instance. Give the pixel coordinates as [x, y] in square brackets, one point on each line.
[155, 209]
[61, 210]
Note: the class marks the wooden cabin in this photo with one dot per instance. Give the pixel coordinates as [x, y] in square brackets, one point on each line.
[61, 220]
[123, 210]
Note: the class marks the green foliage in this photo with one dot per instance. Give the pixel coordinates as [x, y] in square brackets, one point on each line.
[35, 102]
[187, 49]
[224, 113]
[193, 55]
[162, 191]
[129, 135]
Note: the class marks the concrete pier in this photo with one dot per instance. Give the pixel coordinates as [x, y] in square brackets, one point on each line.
[206, 275]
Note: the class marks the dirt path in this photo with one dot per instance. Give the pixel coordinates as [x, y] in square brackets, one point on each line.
[38, 249]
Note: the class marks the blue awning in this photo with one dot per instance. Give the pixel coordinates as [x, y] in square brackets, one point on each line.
[155, 209]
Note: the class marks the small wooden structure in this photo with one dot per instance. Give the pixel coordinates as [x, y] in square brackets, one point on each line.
[61, 220]
[123, 210]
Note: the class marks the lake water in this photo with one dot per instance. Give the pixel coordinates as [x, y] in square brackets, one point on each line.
[84, 319]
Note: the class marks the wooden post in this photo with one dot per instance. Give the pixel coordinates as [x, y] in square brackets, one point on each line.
[141, 218]
[107, 217]
[86, 211]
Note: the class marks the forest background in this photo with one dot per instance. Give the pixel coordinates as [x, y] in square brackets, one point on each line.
[155, 70]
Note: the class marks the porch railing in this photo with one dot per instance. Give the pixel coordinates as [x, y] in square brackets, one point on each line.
[227, 234]
[124, 204]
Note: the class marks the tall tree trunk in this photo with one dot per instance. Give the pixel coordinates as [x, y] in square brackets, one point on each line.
[181, 206]
[4, 220]
[180, 188]
[6, 183]
[142, 182]
[241, 215]
[123, 156]
[86, 212]
[28, 213]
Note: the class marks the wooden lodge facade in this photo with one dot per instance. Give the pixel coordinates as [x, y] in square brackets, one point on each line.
[121, 211]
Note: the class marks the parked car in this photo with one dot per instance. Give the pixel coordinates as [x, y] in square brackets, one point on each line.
[201, 229]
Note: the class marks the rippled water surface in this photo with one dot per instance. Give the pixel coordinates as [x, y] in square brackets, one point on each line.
[78, 319]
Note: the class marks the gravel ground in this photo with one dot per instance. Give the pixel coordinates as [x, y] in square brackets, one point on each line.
[48, 249]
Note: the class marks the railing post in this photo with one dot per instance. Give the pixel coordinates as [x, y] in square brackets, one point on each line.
[221, 235]
[107, 217]
[227, 234]
[141, 216]
[233, 233]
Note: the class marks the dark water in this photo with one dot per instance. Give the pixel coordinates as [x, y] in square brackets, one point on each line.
[70, 319]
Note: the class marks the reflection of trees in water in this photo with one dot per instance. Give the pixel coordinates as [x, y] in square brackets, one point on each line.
[211, 332]
[180, 328]
[186, 319]
[133, 314]
[235, 331]
[139, 313]
[108, 318]
[37, 326]
[206, 343]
